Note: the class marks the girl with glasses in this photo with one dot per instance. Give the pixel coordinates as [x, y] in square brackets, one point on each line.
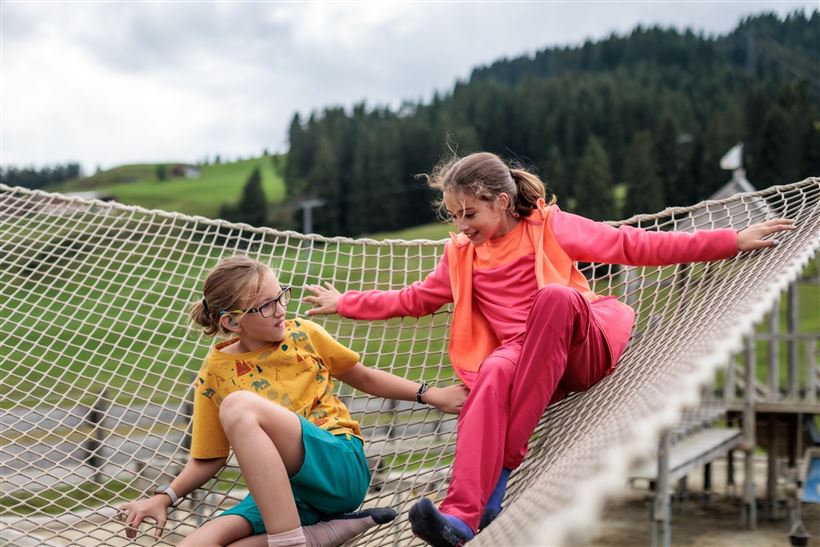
[268, 394]
[526, 328]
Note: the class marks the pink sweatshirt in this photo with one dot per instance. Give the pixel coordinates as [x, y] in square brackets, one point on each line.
[503, 293]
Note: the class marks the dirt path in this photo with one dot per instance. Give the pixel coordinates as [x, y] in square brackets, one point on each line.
[626, 523]
[626, 518]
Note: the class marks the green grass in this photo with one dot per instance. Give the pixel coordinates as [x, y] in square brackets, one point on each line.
[218, 184]
[56, 501]
[434, 231]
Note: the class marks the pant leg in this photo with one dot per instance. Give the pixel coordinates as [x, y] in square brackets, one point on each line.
[482, 426]
[564, 350]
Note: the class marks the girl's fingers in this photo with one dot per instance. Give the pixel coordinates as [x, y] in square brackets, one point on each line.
[160, 528]
[131, 528]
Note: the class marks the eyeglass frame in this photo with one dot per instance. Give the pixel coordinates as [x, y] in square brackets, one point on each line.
[286, 291]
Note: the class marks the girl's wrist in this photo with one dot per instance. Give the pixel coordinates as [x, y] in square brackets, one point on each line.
[164, 499]
[430, 396]
[424, 389]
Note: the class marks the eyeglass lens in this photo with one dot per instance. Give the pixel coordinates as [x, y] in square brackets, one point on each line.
[269, 307]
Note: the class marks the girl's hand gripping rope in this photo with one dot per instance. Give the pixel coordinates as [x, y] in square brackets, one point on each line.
[751, 238]
[324, 298]
[154, 508]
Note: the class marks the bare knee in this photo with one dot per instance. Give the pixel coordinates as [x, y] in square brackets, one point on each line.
[237, 409]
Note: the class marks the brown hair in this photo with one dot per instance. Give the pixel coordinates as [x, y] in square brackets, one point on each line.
[485, 176]
[233, 283]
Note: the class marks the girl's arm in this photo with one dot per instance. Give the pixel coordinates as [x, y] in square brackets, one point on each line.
[589, 241]
[195, 473]
[383, 384]
[420, 298]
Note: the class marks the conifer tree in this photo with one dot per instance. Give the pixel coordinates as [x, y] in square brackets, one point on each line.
[668, 161]
[778, 153]
[554, 175]
[252, 206]
[644, 191]
[593, 184]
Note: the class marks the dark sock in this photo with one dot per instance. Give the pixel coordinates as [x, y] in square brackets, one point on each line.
[334, 530]
[438, 529]
[493, 508]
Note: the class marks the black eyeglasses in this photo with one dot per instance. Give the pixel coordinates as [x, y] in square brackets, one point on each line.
[266, 309]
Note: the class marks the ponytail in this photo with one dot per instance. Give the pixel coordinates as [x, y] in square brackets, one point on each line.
[486, 176]
[530, 189]
[233, 284]
[201, 315]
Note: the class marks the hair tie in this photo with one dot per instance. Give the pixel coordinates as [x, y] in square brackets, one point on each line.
[205, 305]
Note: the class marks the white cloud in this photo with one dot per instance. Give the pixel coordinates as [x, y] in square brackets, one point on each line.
[119, 83]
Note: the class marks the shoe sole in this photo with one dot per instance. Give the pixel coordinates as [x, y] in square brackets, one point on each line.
[424, 516]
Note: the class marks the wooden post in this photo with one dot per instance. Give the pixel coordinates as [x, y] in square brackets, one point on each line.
[792, 313]
[773, 353]
[771, 468]
[811, 371]
[749, 514]
[729, 381]
[94, 444]
[661, 514]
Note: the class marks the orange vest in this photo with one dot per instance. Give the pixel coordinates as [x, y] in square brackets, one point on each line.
[471, 337]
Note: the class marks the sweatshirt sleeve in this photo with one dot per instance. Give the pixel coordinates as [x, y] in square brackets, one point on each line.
[208, 439]
[589, 241]
[337, 357]
[420, 298]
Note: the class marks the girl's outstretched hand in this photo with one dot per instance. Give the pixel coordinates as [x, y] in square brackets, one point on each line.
[448, 399]
[751, 238]
[154, 508]
[324, 298]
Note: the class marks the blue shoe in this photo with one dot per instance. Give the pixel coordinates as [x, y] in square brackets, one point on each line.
[493, 507]
[437, 529]
[489, 515]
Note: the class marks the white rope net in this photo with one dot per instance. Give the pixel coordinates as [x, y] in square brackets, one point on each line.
[98, 360]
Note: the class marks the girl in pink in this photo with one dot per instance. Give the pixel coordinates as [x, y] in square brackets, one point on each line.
[526, 328]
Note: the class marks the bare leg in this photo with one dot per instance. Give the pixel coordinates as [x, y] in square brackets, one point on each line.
[259, 540]
[332, 532]
[220, 531]
[267, 439]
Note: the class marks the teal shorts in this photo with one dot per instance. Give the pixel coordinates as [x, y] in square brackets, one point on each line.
[333, 478]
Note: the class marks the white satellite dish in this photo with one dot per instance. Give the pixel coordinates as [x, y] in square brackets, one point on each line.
[733, 159]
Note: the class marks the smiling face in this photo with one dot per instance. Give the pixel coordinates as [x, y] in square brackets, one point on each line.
[480, 220]
[255, 331]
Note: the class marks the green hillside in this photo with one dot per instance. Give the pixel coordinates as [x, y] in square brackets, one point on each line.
[218, 184]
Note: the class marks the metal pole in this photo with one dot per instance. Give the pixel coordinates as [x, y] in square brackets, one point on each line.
[307, 213]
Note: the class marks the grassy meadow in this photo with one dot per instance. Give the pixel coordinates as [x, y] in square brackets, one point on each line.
[217, 184]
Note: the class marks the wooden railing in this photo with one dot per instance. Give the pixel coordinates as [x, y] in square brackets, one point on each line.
[785, 363]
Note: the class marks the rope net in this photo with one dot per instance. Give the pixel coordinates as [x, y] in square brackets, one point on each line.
[98, 362]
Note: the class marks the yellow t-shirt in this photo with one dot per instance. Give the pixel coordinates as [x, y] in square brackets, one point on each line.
[295, 373]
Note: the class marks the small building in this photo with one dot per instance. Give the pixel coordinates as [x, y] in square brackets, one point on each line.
[185, 170]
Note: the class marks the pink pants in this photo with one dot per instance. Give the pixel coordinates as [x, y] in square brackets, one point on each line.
[562, 350]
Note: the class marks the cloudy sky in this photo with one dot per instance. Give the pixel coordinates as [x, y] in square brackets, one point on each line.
[112, 83]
